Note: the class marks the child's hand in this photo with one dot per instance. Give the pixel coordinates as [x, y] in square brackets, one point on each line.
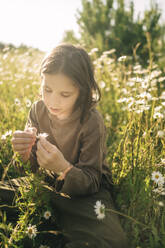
[50, 157]
[23, 141]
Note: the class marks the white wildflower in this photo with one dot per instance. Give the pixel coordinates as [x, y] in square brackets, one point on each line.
[28, 103]
[160, 190]
[158, 115]
[130, 84]
[138, 111]
[144, 134]
[161, 79]
[124, 91]
[141, 101]
[161, 204]
[8, 133]
[145, 95]
[99, 210]
[155, 74]
[108, 117]
[3, 137]
[110, 51]
[42, 135]
[163, 160]
[137, 67]
[146, 107]
[155, 98]
[122, 58]
[158, 178]
[31, 231]
[162, 95]
[102, 84]
[94, 50]
[17, 101]
[107, 89]
[161, 133]
[47, 215]
[157, 109]
[144, 85]
[122, 100]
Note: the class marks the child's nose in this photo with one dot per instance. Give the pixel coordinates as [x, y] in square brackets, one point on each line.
[55, 101]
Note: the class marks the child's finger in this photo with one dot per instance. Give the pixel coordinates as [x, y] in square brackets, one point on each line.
[23, 134]
[23, 152]
[22, 140]
[47, 145]
[21, 147]
[41, 152]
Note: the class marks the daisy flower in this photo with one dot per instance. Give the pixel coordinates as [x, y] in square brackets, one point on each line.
[47, 215]
[28, 103]
[158, 178]
[99, 210]
[17, 102]
[31, 231]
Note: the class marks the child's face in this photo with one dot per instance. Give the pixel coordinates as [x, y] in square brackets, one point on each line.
[59, 94]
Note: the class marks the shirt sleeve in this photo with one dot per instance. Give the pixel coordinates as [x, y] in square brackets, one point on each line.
[85, 176]
[32, 122]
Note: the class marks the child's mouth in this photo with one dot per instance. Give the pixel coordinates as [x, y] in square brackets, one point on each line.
[54, 110]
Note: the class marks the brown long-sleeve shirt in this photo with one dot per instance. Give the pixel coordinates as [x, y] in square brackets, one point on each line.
[83, 145]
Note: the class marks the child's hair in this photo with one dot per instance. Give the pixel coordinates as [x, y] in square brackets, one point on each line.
[74, 62]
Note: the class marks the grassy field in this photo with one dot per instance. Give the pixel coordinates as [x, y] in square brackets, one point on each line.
[133, 107]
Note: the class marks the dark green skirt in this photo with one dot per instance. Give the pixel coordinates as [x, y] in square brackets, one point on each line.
[77, 218]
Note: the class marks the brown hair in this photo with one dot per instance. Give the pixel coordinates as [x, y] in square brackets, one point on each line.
[74, 62]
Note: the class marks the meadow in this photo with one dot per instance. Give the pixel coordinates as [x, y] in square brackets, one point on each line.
[133, 107]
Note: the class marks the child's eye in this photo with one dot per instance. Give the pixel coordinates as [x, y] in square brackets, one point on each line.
[65, 95]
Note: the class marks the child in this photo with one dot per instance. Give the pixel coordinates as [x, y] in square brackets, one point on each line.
[75, 148]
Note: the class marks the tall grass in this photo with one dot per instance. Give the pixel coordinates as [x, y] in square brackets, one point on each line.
[133, 107]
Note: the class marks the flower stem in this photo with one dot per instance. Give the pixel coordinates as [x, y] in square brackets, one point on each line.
[127, 216]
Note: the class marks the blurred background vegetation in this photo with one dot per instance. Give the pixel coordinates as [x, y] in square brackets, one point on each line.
[112, 24]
